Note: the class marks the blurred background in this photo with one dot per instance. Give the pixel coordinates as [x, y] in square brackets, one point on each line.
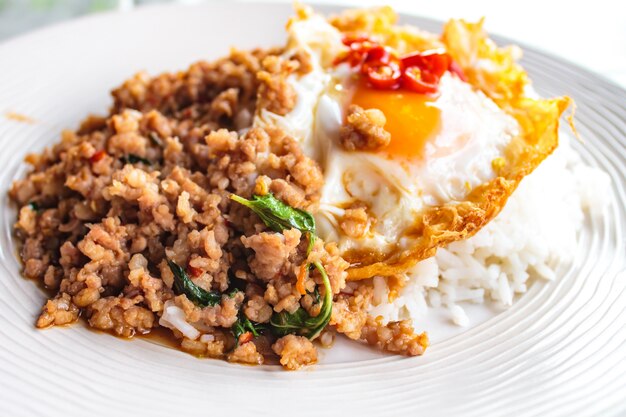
[589, 33]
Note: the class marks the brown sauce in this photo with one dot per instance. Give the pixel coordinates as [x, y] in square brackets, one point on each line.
[163, 337]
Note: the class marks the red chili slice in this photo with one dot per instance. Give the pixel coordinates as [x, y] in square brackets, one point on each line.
[437, 63]
[383, 75]
[378, 54]
[193, 271]
[419, 72]
[434, 62]
[97, 156]
[362, 49]
[414, 79]
[413, 60]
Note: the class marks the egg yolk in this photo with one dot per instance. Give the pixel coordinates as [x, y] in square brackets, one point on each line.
[412, 118]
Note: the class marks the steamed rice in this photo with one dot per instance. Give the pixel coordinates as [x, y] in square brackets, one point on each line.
[536, 231]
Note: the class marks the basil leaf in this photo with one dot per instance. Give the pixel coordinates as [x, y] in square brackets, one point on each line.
[233, 292]
[316, 324]
[300, 322]
[184, 285]
[284, 323]
[34, 206]
[244, 325]
[237, 330]
[131, 158]
[309, 248]
[277, 215]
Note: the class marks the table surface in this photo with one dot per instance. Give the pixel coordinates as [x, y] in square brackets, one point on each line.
[590, 34]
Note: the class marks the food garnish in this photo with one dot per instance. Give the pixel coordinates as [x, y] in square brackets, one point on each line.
[184, 285]
[419, 72]
[300, 322]
[97, 156]
[131, 158]
[245, 330]
[279, 216]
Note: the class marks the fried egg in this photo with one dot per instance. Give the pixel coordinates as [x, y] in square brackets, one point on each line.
[437, 179]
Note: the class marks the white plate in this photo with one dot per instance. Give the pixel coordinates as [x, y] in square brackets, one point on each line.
[558, 351]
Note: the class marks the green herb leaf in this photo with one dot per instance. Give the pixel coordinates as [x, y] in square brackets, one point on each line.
[184, 285]
[277, 215]
[131, 158]
[316, 324]
[309, 248]
[244, 325]
[34, 206]
[233, 292]
[284, 323]
[300, 322]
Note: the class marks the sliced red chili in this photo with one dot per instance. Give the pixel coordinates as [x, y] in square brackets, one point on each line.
[357, 58]
[378, 54]
[435, 62]
[383, 75]
[419, 72]
[97, 156]
[193, 271]
[413, 60]
[429, 77]
[454, 68]
[415, 80]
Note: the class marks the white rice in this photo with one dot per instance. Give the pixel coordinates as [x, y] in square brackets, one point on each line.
[535, 232]
[174, 318]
